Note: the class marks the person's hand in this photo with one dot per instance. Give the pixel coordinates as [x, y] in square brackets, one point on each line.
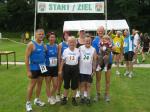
[29, 74]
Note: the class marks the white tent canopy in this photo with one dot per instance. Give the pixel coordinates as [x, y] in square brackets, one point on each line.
[92, 25]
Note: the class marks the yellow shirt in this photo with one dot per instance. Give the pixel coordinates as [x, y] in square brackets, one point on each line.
[118, 43]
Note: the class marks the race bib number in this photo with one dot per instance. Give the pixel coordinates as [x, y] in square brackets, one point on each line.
[118, 44]
[53, 61]
[71, 59]
[86, 58]
[43, 68]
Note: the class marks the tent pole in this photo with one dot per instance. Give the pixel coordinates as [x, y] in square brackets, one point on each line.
[105, 17]
[35, 18]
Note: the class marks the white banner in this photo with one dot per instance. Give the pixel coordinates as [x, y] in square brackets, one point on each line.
[76, 7]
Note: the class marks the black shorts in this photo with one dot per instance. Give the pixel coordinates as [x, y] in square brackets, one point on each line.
[53, 71]
[86, 78]
[36, 74]
[108, 66]
[145, 49]
[71, 76]
[115, 53]
[128, 56]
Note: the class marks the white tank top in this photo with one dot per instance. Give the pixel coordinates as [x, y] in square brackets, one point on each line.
[86, 59]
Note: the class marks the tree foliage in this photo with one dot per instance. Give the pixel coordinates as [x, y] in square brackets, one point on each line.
[18, 15]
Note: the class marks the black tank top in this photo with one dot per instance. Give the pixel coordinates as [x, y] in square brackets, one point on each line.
[78, 44]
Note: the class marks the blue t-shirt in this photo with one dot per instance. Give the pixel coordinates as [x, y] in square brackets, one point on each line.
[51, 53]
[95, 44]
[128, 44]
[37, 56]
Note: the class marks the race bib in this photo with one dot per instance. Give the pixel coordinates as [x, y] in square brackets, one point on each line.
[53, 61]
[118, 44]
[43, 68]
[86, 58]
[71, 59]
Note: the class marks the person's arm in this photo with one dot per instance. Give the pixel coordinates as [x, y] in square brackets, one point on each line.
[59, 54]
[94, 61]
[28, 52]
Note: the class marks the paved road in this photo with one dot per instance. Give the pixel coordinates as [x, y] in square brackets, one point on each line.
[136, 65]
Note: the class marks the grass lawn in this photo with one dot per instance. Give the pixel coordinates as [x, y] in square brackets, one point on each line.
[127, 95]
[6, 45]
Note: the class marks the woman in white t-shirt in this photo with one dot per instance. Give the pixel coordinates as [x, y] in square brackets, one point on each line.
[87, 67]
[70, 67]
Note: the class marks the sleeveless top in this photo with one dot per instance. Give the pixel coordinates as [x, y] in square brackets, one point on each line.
[51, 55]
[37, 56]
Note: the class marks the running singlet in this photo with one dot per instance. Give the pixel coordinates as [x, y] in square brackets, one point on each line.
[51, 55]
[37, 57]
[71, 57]
[86, 59]
[64, 46]
[118, 43]
[128, 44]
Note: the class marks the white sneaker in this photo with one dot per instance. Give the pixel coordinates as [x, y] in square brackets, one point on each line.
[130, 75]
[105, 69]
[58, 98]
[52, 100]
[107, 98]
[98, 68]
[117, 73]
[38, 102]
[126, 73]
[78, 94]
[28, 107]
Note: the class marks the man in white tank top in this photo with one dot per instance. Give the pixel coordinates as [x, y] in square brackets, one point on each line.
[87, 67]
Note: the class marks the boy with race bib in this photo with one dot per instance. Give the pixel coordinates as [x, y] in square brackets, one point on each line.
[87, 67]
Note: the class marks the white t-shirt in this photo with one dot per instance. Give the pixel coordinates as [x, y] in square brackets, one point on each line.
[86, 59]
[136, 39]
[71, 57]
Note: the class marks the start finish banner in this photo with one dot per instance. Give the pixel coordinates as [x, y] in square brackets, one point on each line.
[74, 7]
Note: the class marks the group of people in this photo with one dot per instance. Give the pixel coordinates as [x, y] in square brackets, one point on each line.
[74, 61]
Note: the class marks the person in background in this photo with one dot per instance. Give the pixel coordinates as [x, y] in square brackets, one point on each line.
[128, 48]
[35, 66]
[136, 42]
[146, 45]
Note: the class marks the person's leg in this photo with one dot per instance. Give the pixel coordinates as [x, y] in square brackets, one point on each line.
[48, 83]
[31, 86]
[98, 82]
[30, 89]
[39, 86]
[37, 101]
[117, 64]
[82, 88]
[54, 81]
[59, 83]
[107, 89]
